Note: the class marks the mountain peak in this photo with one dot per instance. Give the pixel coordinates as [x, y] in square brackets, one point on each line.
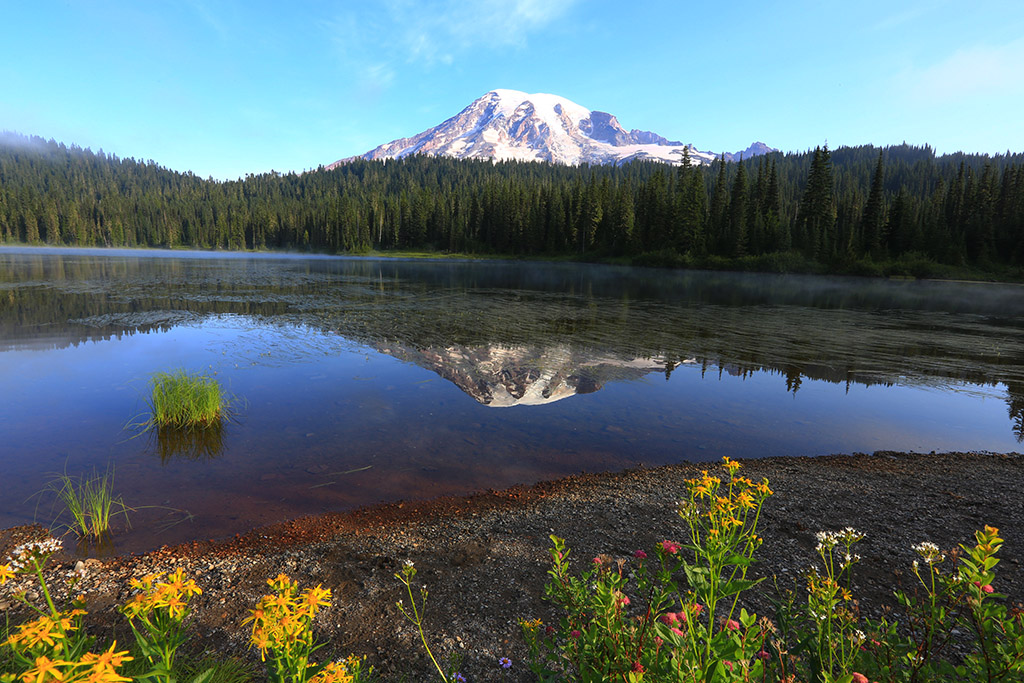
[513, 125]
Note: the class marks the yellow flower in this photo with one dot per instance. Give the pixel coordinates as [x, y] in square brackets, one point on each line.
[41, 631]
[146, 582]
[332, 673]
[175, 607]
[745, 500]
[317, 597]
[6, 573]
[45, 670]
[281, 583]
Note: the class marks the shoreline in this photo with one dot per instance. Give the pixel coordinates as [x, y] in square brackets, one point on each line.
[950, 274]
[484, 556]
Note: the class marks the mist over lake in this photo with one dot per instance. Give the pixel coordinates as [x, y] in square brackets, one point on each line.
[361, 380]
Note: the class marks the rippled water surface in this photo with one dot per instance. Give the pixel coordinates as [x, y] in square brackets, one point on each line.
[359, 380]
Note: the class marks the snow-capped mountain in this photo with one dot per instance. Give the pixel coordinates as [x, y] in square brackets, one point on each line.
[508, 124]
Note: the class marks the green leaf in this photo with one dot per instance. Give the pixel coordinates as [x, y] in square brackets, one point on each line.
[203, 677]
[739, 560]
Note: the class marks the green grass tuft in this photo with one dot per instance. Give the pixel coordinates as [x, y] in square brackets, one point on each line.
[186, 401]
[90, 502]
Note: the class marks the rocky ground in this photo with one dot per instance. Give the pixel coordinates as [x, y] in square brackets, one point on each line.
[484, 557]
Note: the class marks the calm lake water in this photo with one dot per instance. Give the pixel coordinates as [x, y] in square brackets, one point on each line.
[359, 380]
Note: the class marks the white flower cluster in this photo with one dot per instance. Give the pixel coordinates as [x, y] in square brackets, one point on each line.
[826, 540]
[33, 550]
[830, 539]
[929, 552]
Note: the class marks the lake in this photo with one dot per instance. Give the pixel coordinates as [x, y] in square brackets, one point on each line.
[360, 380]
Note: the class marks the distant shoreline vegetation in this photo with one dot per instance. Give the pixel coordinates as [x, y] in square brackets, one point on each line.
[897, 211]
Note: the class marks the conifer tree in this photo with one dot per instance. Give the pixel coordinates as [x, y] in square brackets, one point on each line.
[873, 219]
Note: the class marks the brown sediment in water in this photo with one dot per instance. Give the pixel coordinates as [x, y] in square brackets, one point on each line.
[484, 557]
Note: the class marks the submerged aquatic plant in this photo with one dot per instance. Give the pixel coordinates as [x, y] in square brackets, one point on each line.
[90, 501]
[181, 400]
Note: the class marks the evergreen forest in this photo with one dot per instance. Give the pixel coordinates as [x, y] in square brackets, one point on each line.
[866, 210]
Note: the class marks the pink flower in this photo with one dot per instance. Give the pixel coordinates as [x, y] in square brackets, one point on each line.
[640, 554]
[859, 678]
[763, 655]
[678, 632]
[658, 641]
[669, 618]
[987, 588]
[728, 664]
[549, 630]
[638, 667]
[697, 609]
[624, 600]
[732, 625]
[597, 560]
[574, 634]
[670, 547]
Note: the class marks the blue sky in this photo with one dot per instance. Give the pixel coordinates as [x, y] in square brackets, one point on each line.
[225, 88]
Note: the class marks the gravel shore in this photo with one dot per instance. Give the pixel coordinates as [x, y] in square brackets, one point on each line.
[484, 557]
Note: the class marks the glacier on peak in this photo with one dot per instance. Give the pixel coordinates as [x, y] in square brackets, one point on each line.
[513, 125]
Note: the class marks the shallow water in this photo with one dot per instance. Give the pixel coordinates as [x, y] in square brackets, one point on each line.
[361, 380]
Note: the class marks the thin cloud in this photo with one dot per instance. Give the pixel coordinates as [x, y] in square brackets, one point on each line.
[909, 15]
[375, 40]
[969, 73]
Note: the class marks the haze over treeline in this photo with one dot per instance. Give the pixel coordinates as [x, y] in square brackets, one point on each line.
[848, 209]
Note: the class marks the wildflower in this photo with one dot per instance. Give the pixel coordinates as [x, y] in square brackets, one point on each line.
[670, 547]
[728, 664]
[859, 678]
[459, 678]
[640, 555]
[678, 632]
[7, 573]
[669, 618]
[929, 552]
[505, 663]
[574, 634]
[45, 669]
[638, 667]
[597, 561]
[763, 655]
[34, 552]
[732, 625]
[549, 630]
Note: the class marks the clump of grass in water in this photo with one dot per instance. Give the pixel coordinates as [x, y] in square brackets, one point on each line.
[186, 401]
[90, 502]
